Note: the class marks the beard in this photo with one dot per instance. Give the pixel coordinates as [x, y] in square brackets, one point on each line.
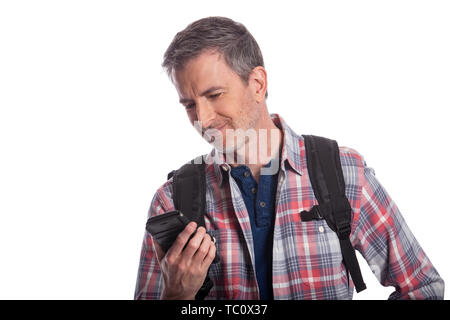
[239, 134]
[238, 143]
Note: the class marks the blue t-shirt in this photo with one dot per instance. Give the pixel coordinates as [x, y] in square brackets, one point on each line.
[259, 200]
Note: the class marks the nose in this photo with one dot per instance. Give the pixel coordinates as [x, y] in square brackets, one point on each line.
[205, 114]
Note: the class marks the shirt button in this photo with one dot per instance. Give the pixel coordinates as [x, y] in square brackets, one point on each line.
[262, 204]
[321, 229]
[247, 174]
[254, 190]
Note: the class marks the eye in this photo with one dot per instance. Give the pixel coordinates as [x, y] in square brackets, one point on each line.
[189, 106]
[216, 95]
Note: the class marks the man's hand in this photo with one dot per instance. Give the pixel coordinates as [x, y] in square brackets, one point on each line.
[184, 271]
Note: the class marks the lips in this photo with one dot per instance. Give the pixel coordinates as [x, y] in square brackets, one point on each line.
[221, 127]
[211, 138]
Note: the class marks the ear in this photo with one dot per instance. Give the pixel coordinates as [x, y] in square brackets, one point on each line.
[258, 80]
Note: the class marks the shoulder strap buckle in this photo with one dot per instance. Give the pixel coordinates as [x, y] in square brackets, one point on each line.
[343, 231]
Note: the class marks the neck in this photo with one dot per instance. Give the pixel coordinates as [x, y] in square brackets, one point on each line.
[261, 146]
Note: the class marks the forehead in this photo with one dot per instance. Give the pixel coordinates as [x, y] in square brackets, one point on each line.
[206, 70]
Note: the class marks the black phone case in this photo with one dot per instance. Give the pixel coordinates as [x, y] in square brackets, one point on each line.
[166, 227]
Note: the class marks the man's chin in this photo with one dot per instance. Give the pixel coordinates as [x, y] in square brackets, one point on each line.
[231, 155]
[223, 150]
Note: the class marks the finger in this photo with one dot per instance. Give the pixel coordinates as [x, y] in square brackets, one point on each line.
[209, 258]
[182, 239]
[202, 251]
[194, 244]
[159, 251]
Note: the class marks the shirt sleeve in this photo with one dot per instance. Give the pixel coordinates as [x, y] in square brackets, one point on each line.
[149, 280]
[388, 245]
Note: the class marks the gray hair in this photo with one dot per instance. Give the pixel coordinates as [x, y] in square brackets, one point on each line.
[232, 39]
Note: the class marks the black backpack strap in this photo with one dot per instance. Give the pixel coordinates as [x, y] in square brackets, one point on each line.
[189, 191]
[189, 196]
[327, 179]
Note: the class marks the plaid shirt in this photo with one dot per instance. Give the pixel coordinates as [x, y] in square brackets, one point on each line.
[307, 258]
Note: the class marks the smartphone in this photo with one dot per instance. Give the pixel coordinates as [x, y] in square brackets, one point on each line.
[165, 228]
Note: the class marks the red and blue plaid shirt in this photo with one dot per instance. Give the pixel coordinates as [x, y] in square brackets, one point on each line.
[307, 259]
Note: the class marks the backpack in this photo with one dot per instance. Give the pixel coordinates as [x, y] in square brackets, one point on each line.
[327, 180]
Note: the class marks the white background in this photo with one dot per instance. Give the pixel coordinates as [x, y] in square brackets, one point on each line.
[90, 124]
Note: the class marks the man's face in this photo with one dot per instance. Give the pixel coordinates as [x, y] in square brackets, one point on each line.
[215, 95]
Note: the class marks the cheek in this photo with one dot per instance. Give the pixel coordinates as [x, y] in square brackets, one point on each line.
[192, 115]
[234, 107]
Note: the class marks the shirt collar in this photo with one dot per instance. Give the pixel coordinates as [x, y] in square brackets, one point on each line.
[292, 146]
[291, 152]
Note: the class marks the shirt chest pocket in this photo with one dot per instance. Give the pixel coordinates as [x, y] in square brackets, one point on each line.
[309, 240]
[309, 254]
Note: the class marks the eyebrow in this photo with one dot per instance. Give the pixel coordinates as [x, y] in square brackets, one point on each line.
[204, 93]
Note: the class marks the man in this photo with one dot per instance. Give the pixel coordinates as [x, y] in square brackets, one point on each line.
[253, 203]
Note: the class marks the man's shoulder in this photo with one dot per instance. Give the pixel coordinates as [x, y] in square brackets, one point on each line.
[351, 157]
[163, 197]
[353, 167]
